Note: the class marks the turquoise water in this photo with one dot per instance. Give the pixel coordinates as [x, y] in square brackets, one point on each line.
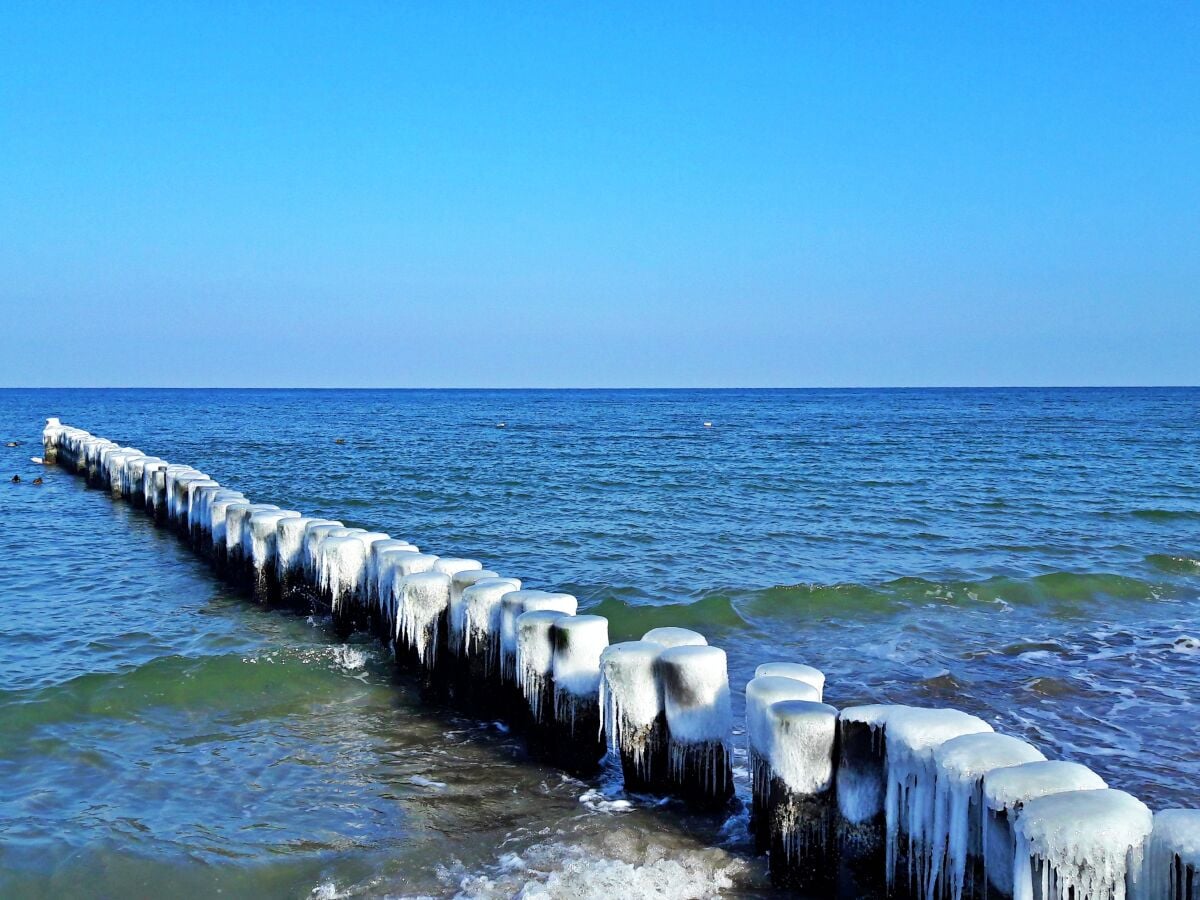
[1031, 556]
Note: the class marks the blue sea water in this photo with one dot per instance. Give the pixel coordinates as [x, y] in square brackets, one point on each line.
[1028, 555]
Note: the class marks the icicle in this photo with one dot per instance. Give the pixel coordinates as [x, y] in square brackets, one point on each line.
[342, 566]
[314, 534]
[674, 637]
[1172, 866]
[699, 722]
[961, 764]
[798, 671]
[632, 713]
[761, 692]
[1082, 844]
[459, 582]
[912, 736]
[514, 604]
[236, 540]
[797, 739]
[200, 514]
[1005, 791]
[423, 598]
[534, 660]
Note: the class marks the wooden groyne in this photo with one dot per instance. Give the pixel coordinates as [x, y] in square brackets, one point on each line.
[883, 800]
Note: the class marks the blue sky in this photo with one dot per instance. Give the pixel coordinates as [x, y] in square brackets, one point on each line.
[455, 194]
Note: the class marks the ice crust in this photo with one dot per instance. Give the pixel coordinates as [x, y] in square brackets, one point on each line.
[696, 694]
[798, 671]
[579, 642]
[861, 791]
[535, 655]
[392, 566]
[799, 749]
[236, 515]
[481, 611]
[423, 597]
[262, 529]
[516, 603]
[961, 764]
[1086, 843]
[631, 696]
[913, 734]
[675, 637]
[448, 565]
[1172, 862]
[289, 543]
[459, 582]
[761, 692]
[342, 564]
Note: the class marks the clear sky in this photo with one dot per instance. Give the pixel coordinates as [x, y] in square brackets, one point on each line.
[506, 194]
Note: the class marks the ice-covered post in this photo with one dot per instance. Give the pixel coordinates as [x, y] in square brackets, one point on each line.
[513, 605]
[1172, 869]
[861, 789]
[456, 621]
[761, 692]
[289, 558]
[154, 490]
[534, 665]
[1084, 844]
[50, 436]
[423, 599]
[374, 601]
[1005, 793]
[961, 764]
[238, 568]
[912, 737]
[342, 567]
[635, 722]
[801, 809]
[695, 683]
[670, 636]
[481, 638]
[262, 529]
[393, 566]
[578, 642]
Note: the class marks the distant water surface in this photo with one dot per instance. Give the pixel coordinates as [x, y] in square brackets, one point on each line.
[1031, 556]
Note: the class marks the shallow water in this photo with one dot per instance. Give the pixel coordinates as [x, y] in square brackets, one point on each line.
[1031, 556]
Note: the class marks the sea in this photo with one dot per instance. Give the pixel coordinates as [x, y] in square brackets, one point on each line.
[1031, 556]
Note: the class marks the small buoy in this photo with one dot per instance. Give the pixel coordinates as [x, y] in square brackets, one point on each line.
[38, 480]
[38, 460]
[708, 424]
[340, 441]
[13, 444]
[500, 424]
[16, 479]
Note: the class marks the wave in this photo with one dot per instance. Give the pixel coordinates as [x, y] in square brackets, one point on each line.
[1175, 565]
[1165, 515]
[261, 686]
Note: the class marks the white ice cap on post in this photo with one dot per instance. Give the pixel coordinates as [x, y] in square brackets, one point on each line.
[515, 604]
[448, 565]
[578, 643]
[459, 582]
[761, 692]
[675, 637]
[798, 671]
[1087, 841]
[262, 530]
[696, 694]
[799, 745]
[289, 542]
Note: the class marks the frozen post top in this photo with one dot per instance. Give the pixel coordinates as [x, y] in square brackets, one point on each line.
[423, 598]
[675, 637]
[961, 764]
[912, 736]
[761, 692]
[1172, 868]
[448, 565]
[799, 750]
[798, 671]
[1086, 843]
[289, 542]
[696, 693]
[579, 642]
